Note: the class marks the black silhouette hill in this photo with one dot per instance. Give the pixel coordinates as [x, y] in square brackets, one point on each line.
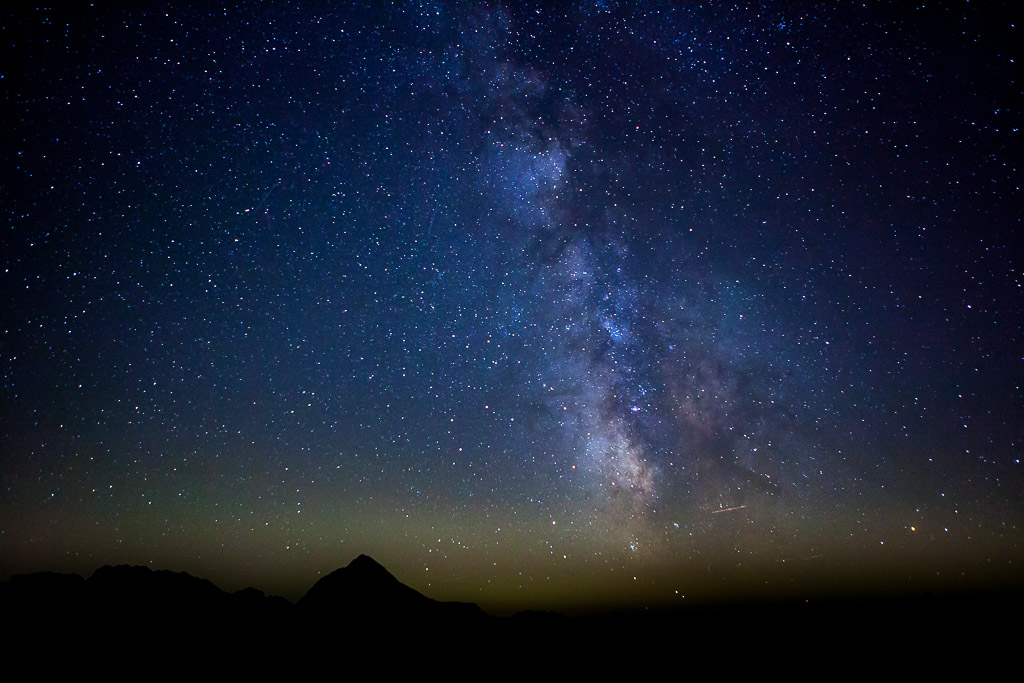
[362, 589]
[367, 591]
[360, 604]
[132, 589]
[363, 610]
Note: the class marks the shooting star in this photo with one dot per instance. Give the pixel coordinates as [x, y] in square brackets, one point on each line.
[263, 201]
[738, 507]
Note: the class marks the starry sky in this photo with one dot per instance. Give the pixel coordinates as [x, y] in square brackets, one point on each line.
[538, 304]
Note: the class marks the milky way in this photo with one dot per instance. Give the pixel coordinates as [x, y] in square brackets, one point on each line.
[538, 304]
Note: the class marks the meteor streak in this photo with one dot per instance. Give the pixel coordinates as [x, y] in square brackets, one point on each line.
[738, 507]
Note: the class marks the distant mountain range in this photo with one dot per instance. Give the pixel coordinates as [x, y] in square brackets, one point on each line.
[138, 613]
[363, 592]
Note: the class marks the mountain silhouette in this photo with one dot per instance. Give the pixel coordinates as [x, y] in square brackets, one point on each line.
[139, 616]
[136, 603]
[365, 590]
[128, 589]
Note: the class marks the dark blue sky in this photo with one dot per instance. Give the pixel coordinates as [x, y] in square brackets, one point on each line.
[537, 304]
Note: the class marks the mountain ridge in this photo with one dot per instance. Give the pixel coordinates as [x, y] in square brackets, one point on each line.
[140, 615]
[362, 590]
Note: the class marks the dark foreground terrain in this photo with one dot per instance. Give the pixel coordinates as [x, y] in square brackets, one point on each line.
[130, 617]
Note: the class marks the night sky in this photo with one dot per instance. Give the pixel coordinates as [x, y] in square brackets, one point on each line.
[540, 305]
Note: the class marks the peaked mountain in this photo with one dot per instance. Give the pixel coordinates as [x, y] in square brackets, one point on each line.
[361, 603]
[366, 590]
